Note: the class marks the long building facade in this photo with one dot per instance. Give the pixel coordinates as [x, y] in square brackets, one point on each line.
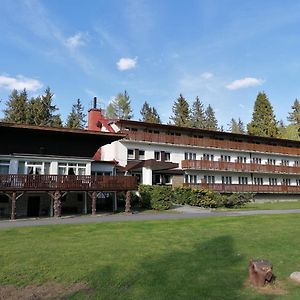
[220, 161]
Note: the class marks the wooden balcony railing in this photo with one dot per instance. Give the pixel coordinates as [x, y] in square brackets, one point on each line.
[209, 142]
[238, 167]
[17, 182]
[246, 188]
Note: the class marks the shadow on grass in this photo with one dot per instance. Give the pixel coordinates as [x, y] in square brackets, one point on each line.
[207, 270]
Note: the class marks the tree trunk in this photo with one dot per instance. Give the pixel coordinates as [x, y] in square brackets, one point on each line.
[13, 206]
[57, 204]
[127, 202]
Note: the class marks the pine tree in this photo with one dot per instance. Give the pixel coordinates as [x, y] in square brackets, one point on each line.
[198, 114]
[181, 112]
[263, 121]
[294, 116]
[211, 122]
[76, 118]
[236, 126]
[16, 107]
[149, 114]
[120, 107]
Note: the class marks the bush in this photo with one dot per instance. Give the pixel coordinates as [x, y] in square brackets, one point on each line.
[182, 195]
[206, 198]
[156, 196]
[237, 200]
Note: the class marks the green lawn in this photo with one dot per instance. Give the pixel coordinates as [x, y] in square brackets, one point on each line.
[272, 205]
[176, 259]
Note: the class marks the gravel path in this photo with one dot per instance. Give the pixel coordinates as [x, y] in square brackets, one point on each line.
[185, 213]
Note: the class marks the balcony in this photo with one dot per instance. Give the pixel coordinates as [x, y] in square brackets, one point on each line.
[17, 182]
[247, 188]
[206, 142]
[238, 167]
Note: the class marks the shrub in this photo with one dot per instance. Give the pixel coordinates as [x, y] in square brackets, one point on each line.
[182, 195]
[156, 196]
[237, 200]
[206, 198]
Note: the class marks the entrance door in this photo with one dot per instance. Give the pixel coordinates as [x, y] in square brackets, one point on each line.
[33, 206]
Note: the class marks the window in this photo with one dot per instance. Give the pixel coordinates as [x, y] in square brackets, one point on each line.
[141, 154]
[209, 179]
[226, 158]
[190, 179]
[243, 180]
[241, 159]
[256, 160]
[4, 166]
[226, 180]
[167, 156]
[207, 156]
[130, 154]
[272, 181]
[286, 181]
[258, 181]
[296, 163]
[297, 181]
[157, 155]
[285, 162]
[189, 156]
[271, 161]
[71, 169]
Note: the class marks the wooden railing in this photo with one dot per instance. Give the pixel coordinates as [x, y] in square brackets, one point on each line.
[209, 142]
[15, 182]
[246, 188]
[238, 167]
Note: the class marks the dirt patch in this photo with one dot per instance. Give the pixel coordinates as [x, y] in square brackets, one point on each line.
[273, 288]
[50, 290]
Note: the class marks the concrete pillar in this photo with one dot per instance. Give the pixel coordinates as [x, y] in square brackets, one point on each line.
[146, 176]
[85, 204]
[94, 203]
[13, 206]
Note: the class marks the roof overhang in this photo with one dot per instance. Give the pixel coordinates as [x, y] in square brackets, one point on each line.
[152, 164]
[28, 139]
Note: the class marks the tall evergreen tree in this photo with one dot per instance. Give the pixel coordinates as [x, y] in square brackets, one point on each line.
[236, 126]
[211, 122]
[120, 107]
[76, 118]
[181, 112]
[263, 121]
[197, 114]
[149, 114]
[16, 107]
[294, 116]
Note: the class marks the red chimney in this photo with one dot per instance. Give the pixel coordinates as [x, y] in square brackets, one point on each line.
[94, 115]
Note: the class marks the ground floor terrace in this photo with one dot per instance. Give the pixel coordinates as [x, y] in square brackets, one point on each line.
[54, 195]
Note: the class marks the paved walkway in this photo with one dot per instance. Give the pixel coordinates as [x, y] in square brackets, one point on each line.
[196, 213]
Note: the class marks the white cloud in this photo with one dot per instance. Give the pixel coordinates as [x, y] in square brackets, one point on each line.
[19, 82]
[244, 83]
[75, 41]
[207, 75]
[126, 63]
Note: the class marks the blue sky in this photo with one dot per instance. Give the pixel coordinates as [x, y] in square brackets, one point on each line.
[225, 52]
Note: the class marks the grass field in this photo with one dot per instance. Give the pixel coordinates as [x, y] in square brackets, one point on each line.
[176, 259]
[272, 205]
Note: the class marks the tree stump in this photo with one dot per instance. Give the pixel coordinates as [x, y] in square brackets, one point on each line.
[260, 272]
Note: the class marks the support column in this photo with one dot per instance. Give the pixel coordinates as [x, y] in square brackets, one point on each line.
[115, 202]
[85, 204]
[128, 202]
[57, 204]
[51, 207]
[13, 206]
[147, 176]
[94, 202]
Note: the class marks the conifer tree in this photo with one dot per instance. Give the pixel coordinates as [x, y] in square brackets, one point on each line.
[16, 107]
[149, 114]
[197, 114]
[76, 118]
[263, 121]
[294, 116]
[120, 107]
[236, 126]
[211, 122]
[181, 112]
